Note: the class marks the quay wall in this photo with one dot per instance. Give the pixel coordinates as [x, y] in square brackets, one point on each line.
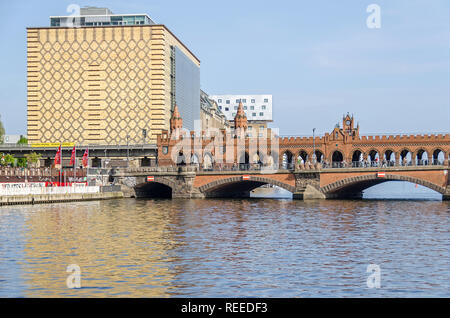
[55, 198]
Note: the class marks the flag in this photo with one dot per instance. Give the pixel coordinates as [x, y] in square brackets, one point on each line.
[58, 156]
[85, 159]
[73, 156]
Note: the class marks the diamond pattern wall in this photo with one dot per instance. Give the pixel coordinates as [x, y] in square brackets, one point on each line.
[98, 85]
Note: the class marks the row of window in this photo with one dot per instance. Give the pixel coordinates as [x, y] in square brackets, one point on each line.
[263, 107]
[266, 100]
[253, 114]
[259, 135]
[260, 127]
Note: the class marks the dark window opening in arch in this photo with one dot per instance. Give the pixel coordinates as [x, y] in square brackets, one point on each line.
[405, 158]
[287, 162]
[422, 158]
[357, 159]
[337, 159]
[438, 157]
[319, 156]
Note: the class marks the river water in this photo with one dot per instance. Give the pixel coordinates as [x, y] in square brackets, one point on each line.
[229, 248]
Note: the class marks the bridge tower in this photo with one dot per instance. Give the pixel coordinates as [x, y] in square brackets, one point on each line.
[240, 120]
[176, 122]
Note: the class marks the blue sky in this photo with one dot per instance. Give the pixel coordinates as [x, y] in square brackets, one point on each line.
[317, 58]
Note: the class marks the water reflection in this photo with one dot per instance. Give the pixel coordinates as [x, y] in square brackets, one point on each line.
[225, 248]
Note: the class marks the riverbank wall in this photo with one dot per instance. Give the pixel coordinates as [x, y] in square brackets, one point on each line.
[56, 198]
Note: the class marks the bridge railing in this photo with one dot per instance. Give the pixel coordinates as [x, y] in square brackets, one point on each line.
[321, 165]
[39, 173]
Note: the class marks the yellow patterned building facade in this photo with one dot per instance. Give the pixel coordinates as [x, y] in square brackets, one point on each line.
[101, 85]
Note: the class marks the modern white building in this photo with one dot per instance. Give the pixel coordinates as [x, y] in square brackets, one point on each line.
[256, 107]
[12, 139]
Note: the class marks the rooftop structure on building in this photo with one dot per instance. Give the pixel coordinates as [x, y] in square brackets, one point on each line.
[256, 107]
[93, 16]
[12, 139]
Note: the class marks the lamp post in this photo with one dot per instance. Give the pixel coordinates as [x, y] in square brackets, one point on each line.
[314, 146]
[128, 152]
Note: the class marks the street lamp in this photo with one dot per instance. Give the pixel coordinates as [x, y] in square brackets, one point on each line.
[128, 153]
[314, 146]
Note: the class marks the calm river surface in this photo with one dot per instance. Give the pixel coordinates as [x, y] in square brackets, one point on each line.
[227, 248]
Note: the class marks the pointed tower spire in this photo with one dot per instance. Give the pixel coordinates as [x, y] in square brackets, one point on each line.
[240, 120]
[176, 122]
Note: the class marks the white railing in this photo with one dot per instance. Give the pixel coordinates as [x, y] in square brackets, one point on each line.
[7, 189]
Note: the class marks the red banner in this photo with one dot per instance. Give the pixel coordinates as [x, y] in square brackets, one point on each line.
[73, 156]
[58, 156]
[86, 158]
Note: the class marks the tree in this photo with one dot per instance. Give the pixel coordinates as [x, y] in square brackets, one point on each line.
[9, 160]
[22, 162]
[22, 141]
[33, 158]
[2, 131]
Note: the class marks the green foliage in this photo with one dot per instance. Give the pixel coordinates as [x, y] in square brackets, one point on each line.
[7, 160]
[33, 158]
[22, 141]
[22, 162]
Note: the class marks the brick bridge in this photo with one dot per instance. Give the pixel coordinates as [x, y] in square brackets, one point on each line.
[345, 183]
[340, 164]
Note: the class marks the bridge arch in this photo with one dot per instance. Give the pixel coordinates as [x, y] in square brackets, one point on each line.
[388, 154]
[357, 155]
[160, 188]
[302, 155]
[287, 159]
[438, 155]
[237, 187]
[357, 184]
[405, 156]
[337, 157]
[318, 154]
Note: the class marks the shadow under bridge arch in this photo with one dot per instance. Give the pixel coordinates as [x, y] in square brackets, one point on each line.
[352, 188]
[237, 187]
[159, 187]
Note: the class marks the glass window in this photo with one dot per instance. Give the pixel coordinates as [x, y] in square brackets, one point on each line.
[261, 114]
[253, 114]
[128, 20]
[228, 101]
[260, 135]
[220, 107]
[249, 134]
[252, 107]
[234, 114]
[261, 127]
[263, 107]
[227, 109]
[235, 107]
[266, 100]
[237, 101]
[249, 127]
[253, 101]
[219, 100]
[140, 18]
[245, 107]
[244, 100]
